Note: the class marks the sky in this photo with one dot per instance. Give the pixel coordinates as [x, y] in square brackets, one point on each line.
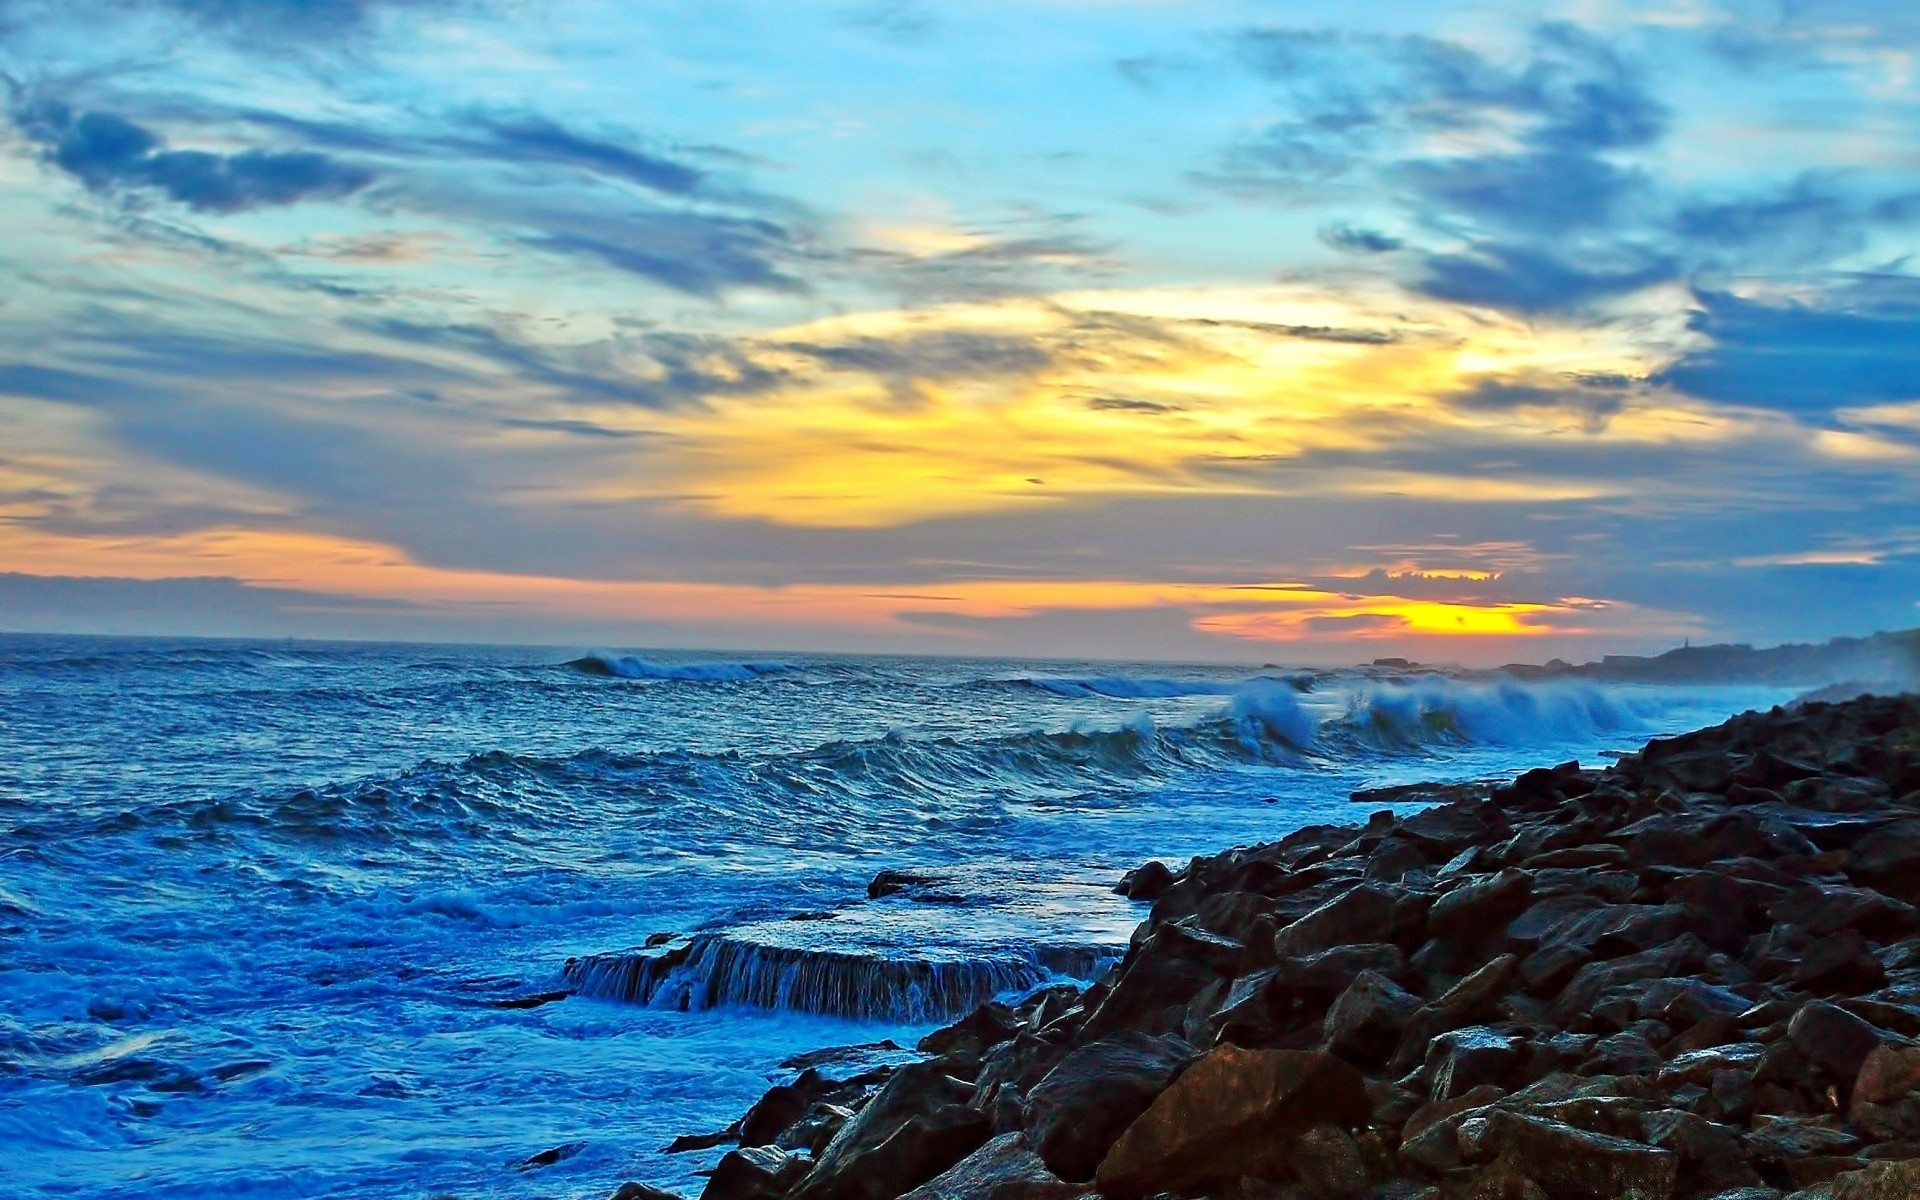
[1263, 330]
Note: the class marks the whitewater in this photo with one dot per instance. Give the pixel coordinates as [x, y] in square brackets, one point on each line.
[308, 919]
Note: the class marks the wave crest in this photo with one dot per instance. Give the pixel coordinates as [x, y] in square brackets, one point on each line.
[623, 666]
[1435, 710]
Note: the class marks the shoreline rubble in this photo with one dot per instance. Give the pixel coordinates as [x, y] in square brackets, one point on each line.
[1694, 973]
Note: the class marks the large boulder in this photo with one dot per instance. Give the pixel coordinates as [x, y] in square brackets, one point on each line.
[1464, 1059]
[1361, 914]
[1881, 1181]
[1481, 907]
[1566, 1161]
[753, 1173]
[1006, 1168]
[1366, 1022]
[1235, 1113]
[1834, 1039]
[1160, 978]
[914, 1128]
[1081, 1108]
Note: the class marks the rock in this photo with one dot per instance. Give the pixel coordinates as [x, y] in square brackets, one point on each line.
[1628, 1052]
[1149, 881]
[1826, 910]
[1393, 860]
[632, 1190]
[1159, 979]
[753, 1173]
[1700, 1066]
[780, 1108]
[1881, 1181]
[1888, 1074]
[548, 1157]
[1464, 1059]
[1319, 978]
[1077, 1112]
[1833, 1039]
[915, 1127]
[1367, 1020]
[1234, 1113]
[1570, 1162]
[1711, 1158]
[1445, 830]
[1888, 860]
[1477, 908]
[1361, 914]
[970, 1036]
[1886, 1093]
[1328, 1163]
[1470, 1000]
[702, 1141]
[1777, 1139]
[1678, 957]
[1006, 1168]
[1840, 963]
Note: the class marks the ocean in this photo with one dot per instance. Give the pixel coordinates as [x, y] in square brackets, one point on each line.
[292, 919]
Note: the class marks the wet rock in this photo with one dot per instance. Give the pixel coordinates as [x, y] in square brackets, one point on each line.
[1080, 1109]
[1833, 1039]
[1711, 1157]
[632, 1190]
[1777, 1139]
[972, 1035]
[1841, 963]
[1395, 859]
[836, 1055]
[548, 1157]
[1159, 979]
[779, 1108]
[753, 1173]
[1329, 1164]
[915, 1127]
[1368, 1019]
[1463, 1059]
[1149, 881]
[1477, 908]
[1361, 914]
[1880, 1181]
[1445, 830]
[1234, 1113]
[1886, 1093]
[1888, 860]
[1566, 1161]
[1700, 1066]
[688, 1142]
[1006, 1168]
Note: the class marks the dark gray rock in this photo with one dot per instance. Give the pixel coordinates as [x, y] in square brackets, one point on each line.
[1075, 1114]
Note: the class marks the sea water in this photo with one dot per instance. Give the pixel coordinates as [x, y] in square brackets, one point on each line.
[316, 919]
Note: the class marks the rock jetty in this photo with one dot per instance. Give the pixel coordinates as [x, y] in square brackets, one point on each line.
[1693, 974]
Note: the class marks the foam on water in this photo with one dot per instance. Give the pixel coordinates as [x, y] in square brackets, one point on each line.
[290, 919]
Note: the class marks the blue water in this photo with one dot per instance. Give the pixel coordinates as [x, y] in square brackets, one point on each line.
[260, 901]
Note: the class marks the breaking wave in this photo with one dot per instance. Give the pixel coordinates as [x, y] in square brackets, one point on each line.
[1433, 710]
[719, 971]
[627, 667]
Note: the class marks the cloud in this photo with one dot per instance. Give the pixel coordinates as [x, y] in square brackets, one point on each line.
[1530, 279]
[114, 156]
[1854, 347]
[1355, 240]
[531, 138]
[290, 26]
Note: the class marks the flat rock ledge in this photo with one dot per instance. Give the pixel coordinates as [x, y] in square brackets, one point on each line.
[1694, 974]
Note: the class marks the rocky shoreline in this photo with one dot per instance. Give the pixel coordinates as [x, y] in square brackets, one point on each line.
[1693, 974]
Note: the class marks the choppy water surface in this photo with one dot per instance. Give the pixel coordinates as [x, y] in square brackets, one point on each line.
[266, 909]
